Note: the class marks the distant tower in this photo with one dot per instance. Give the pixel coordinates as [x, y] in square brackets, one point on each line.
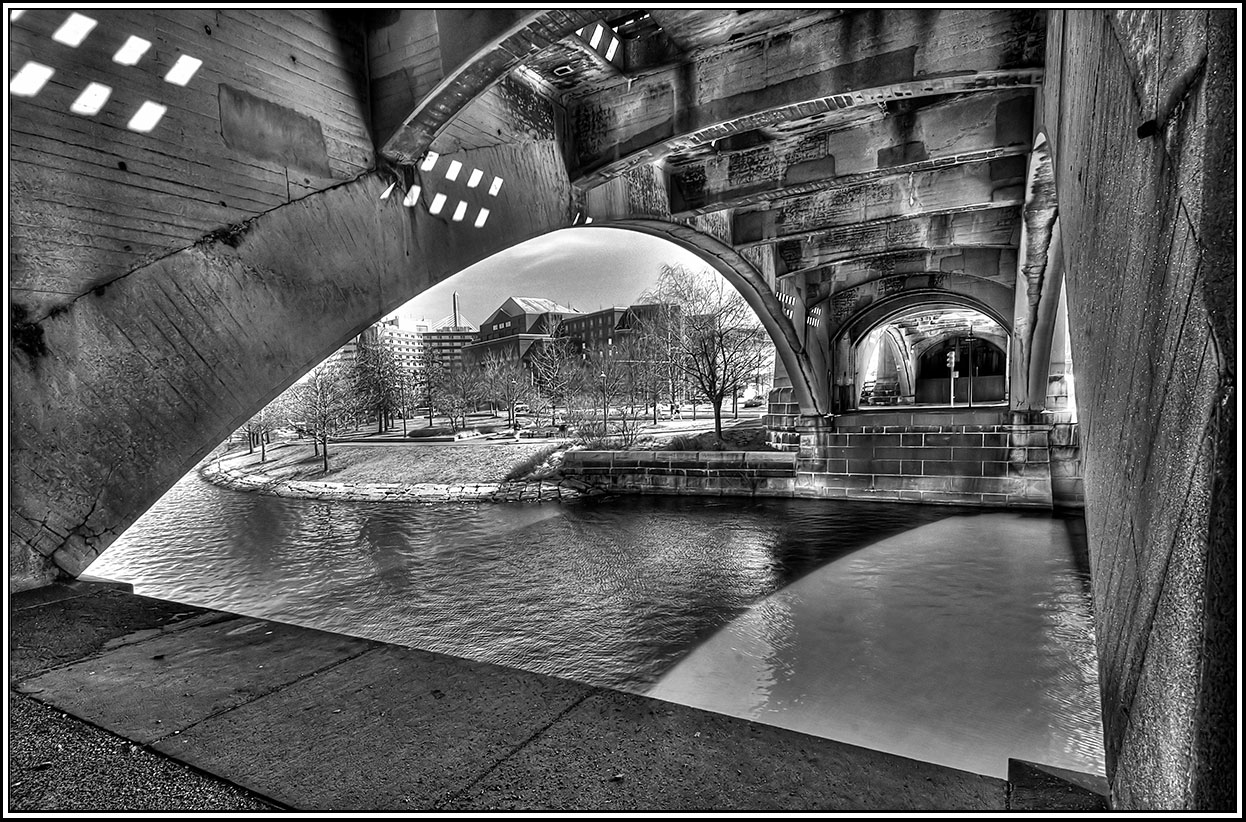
[456, 310]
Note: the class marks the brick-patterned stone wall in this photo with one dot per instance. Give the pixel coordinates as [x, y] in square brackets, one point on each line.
[701, 473]
[974, 464]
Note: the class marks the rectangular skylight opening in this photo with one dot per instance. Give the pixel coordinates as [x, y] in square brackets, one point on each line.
[147, 116]
[614, 46]
[413, 197]
[482, 217]
[495, 187]
[30, 80]
[452, 171]
[596, 36]
[439, 202]
[92, 99]
[430, 160]
[74, 30]
[183, 70]
[460, 211]
[474, 178]
[132, 51]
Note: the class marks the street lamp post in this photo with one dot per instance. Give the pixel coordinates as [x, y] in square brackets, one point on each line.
[603, 403]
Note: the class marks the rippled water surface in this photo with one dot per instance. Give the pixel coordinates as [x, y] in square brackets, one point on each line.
[617, 592]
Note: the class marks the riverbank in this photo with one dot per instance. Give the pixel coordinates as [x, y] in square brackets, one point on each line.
[384, 468]
[404, 473]
[242, 713]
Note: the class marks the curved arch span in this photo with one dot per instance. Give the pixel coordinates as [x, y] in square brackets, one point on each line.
[808, 390]
[879, 313]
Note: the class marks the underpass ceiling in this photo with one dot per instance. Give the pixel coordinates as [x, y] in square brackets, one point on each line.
[925, 175]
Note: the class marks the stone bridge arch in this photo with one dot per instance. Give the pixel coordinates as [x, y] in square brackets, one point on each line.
[802, 357]
[849, 334]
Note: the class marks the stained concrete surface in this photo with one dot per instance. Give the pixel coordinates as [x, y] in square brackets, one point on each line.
[184, 708]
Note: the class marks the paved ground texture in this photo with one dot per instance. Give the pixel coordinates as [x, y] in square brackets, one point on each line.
[121, 702]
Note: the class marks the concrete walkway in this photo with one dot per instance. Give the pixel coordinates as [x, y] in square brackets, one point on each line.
[256, 713]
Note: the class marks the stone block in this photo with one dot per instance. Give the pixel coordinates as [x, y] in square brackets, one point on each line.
[1028, 437]
[859, 481]
[980, 454]
[887, 466]
[994, 469]
[836, 466]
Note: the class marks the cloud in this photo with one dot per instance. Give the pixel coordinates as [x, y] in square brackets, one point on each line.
[586, 268]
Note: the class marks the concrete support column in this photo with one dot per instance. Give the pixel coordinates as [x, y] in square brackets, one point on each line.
[1040, 274]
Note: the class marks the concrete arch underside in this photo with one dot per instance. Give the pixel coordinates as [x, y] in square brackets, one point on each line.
[153, 366]
[163, 285]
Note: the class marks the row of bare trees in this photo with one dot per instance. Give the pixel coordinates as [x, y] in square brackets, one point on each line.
[698, 337]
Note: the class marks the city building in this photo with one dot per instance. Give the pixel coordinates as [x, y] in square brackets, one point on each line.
[518, 324]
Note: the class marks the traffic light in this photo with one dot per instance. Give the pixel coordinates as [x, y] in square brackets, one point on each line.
[951, 359]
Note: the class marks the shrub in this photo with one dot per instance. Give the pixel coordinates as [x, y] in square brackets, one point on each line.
[531, 463]
[424, 433]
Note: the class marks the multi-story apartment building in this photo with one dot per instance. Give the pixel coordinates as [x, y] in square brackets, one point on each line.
[516, 327]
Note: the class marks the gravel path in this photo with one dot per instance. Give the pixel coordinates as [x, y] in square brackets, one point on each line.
[58, 763]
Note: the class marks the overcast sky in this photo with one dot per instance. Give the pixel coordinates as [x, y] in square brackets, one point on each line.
[584, 268]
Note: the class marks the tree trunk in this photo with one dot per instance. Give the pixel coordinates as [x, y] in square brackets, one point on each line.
[718, 419]
[263, 449]
[324, 453]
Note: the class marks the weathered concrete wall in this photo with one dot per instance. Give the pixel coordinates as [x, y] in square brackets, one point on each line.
[1139, 106]
[122, 379]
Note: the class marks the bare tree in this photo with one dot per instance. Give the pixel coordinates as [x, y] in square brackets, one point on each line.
[715, 337]
[376, 379]
[507, 382]
[557, 370]
[427, 379]
[319, 403]
[457, 394]
[259, 428]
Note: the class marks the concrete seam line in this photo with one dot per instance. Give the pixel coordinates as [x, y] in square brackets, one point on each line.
[258, 697]
[525, 743]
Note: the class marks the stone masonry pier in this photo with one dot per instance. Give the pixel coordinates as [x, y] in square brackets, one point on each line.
[948, 456]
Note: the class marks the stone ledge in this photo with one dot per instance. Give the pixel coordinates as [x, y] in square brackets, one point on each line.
[505, 491]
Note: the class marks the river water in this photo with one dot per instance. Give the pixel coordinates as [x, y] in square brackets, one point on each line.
[950, 635]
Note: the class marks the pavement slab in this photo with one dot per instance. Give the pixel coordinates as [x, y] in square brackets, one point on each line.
[275, 715]
[621, 752]
[393, 729]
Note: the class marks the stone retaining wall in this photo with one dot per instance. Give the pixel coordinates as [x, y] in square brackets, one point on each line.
[704, 473]
[506, 491]
[990, 465]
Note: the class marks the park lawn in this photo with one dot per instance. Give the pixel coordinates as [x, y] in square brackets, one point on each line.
[403, 463]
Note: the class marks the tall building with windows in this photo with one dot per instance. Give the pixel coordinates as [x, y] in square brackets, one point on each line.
[516, 327]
